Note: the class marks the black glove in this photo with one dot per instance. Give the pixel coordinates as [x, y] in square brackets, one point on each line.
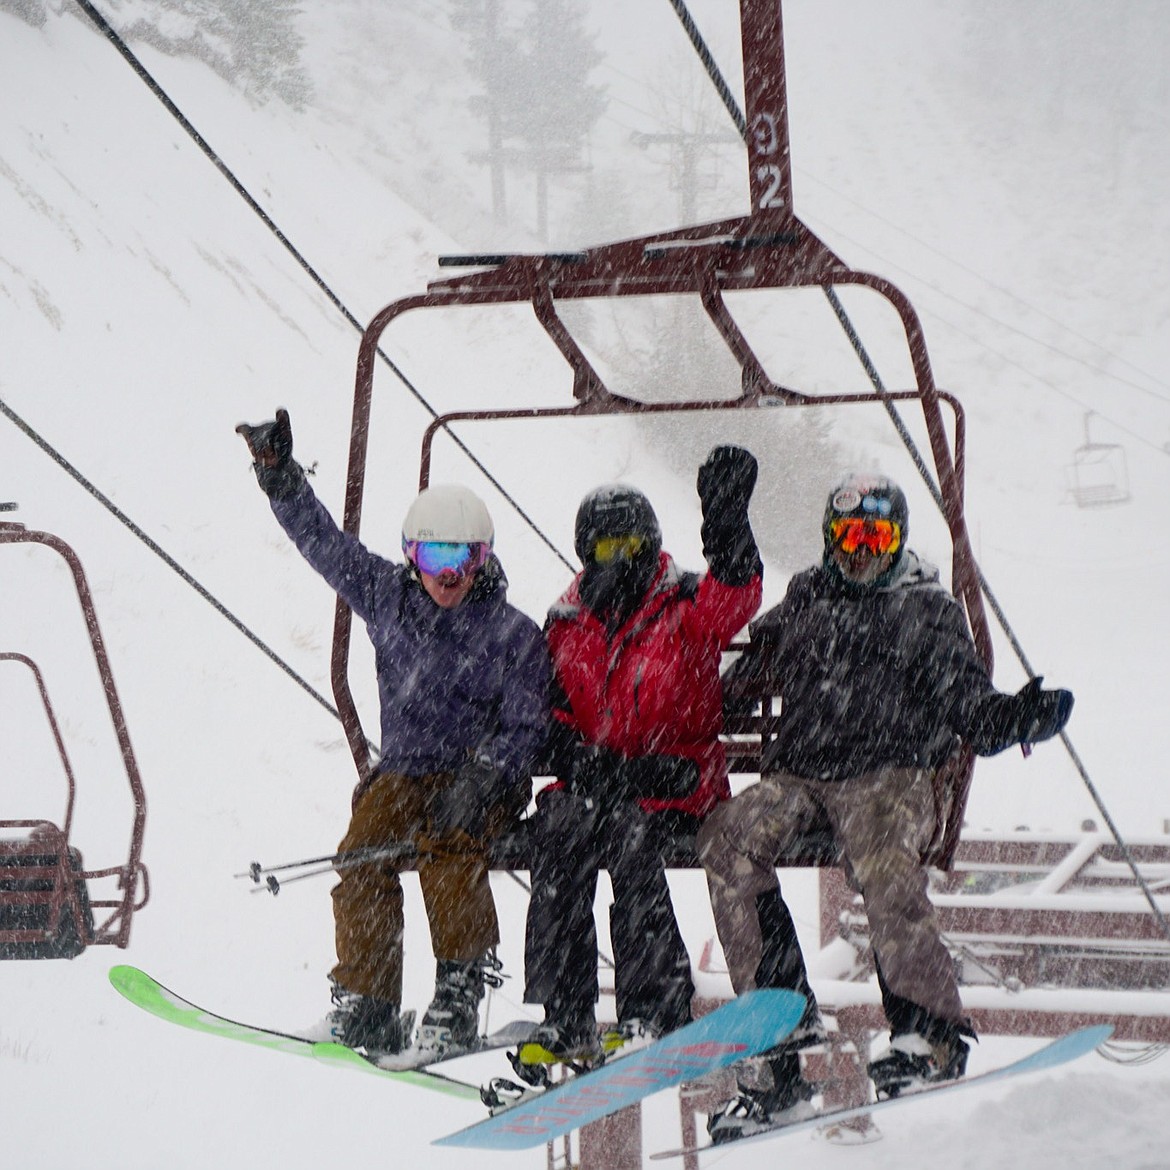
[1029, 716]
[607, 777]
[725, 484]
[270, 444]
[464, 804]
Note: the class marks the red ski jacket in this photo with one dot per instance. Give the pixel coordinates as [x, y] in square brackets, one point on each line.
[653, 686]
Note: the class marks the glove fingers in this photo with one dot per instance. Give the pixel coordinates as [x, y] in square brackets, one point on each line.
[728, 473]
[282, 441]
[269, 443]
[253, 436]
[1048, 712]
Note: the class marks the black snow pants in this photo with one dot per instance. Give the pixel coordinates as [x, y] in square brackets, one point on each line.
[572, 840]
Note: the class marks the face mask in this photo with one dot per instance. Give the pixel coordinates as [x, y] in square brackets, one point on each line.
[618, 585]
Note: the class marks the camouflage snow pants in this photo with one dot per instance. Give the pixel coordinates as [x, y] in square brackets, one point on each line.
[882, 821]
[367, 900]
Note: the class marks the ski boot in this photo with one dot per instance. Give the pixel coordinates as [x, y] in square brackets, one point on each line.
[360, 1021]
[452, 1019]
[913, 1061]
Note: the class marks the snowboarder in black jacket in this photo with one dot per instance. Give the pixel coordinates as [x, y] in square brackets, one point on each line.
[880, 683]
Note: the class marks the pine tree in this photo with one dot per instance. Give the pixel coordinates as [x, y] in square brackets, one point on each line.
[538, 102]
[253, 45]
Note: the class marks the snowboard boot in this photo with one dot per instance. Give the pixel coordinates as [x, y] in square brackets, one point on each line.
[563, 1038]
[809, 1033]
[755, 1110]
[913, 1061]
[630, 1035]
[452, 1020]
[359, 1021]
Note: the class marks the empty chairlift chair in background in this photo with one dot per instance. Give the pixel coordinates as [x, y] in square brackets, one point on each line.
[46, 908]
[1098, 473]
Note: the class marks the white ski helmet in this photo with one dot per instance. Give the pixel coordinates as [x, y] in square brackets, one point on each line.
[449, 513]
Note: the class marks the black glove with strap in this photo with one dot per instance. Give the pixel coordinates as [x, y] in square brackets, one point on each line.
[1029, 716]
[725, 484]
[608, 777]
[270, 444]
[478, 787]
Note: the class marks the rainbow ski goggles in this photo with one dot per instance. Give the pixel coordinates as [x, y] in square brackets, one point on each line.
[439, 556]
[849, 533]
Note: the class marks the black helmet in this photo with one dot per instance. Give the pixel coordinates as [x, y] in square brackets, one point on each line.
[615, 510]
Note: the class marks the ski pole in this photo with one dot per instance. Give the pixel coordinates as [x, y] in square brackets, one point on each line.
[342, 861]
[331, 860]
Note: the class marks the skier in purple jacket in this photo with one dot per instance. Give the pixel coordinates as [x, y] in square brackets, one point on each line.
[463, 682]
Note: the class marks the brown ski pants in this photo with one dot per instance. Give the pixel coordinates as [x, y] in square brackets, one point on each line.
[367, 900]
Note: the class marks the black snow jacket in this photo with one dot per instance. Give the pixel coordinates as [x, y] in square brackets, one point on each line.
[868, 678]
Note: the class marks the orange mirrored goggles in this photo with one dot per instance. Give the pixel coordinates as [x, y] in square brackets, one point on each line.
[609, 548]
[850, 533]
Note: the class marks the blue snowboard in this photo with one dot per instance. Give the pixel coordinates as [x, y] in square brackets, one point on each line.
[754, 1022]
[1066, 1048]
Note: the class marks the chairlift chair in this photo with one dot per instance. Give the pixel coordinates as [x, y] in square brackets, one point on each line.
[767, 249]
[1098, 472]
[46, 911]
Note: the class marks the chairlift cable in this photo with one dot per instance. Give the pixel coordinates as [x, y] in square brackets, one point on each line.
[740, 121]
[163, 555]
[875, 378]
[709, 63]
[1001, 324]
[144, 74]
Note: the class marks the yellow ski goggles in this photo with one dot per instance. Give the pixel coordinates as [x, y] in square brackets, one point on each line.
[608, 548]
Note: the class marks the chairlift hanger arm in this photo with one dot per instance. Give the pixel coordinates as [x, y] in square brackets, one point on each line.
[770, 248]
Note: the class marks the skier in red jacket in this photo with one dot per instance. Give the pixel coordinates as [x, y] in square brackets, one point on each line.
[637, 711]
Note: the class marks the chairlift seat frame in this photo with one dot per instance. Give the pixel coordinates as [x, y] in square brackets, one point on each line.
[45, 906]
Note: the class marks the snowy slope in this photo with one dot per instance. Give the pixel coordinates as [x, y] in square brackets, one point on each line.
[145, 310]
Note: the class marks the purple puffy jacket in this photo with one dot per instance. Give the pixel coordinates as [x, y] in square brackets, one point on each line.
[450, 681]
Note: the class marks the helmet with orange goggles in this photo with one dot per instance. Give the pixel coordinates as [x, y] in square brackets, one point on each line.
[866, 511]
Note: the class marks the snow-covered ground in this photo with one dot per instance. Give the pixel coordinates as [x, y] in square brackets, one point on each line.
[1004, 164]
